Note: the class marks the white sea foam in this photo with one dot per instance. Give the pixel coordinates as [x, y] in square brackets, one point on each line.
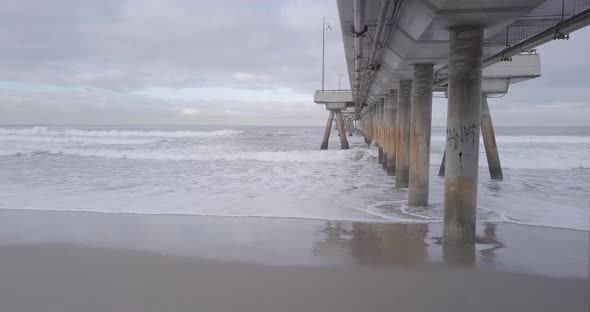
[531, 139]
[399, 211]
[206, 153]
[390, 211]
[179, 155]
[283, 175]
[542, 161]
[116, 133]
[73, 139]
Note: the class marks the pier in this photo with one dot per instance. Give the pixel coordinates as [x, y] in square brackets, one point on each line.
[400, 54]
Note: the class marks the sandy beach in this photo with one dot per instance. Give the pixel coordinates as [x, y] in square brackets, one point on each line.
[126, 262]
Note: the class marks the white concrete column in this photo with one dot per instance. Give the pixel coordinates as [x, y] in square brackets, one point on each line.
[489, 141]
[420, 129]
[402, 153]
[462, 147]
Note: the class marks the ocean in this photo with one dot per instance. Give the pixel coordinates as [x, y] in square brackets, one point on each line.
[279, 172]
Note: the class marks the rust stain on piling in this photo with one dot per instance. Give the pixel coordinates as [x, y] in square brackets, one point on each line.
[460, 210]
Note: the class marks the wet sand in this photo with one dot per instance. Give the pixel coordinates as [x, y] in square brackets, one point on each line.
[71, 261]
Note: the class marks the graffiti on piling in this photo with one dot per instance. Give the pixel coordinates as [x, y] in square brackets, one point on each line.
[462, 134]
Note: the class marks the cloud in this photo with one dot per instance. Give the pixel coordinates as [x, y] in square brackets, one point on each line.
[189, 111]
[131, 44]
[100, 107]
[179, 61]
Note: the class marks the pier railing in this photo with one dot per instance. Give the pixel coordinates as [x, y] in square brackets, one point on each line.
[332, 91]
[333, 96]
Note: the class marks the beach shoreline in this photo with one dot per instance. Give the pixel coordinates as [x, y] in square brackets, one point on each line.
[83, 261]
[305, 242]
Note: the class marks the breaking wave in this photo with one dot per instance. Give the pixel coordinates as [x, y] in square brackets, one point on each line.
[68, 139]
[399, 211]
[116, 133]
[277, 156]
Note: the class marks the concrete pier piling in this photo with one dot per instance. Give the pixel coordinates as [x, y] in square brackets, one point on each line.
[489, 141]
[341, 130]
[391, 116]
[420, 129]
[349, 126]
[375, 125]
[462, 145]
[364, 126]
[367, 126]
[372, 123]
[383, 132]
[386, 132]
[326, 139]
[379, 129]
[441, 171]
[404, 104]
[366, 118]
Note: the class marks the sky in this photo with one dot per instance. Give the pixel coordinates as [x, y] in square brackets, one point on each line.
[234, 62]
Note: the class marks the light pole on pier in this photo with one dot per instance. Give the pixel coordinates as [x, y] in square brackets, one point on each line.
[325, 26]
[339, 76]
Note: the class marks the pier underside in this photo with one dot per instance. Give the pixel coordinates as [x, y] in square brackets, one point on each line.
[399, 53]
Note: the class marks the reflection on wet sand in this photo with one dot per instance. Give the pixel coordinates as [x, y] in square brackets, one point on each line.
[375, 244]
[464, 255]
[459, 255]
[488, 255]
[289, 242]
[400, 245]
[384, 244]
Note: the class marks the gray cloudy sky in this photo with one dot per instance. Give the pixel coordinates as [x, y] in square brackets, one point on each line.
[215, 62]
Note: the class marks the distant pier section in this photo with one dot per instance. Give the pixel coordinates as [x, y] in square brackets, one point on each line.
[342, 109]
